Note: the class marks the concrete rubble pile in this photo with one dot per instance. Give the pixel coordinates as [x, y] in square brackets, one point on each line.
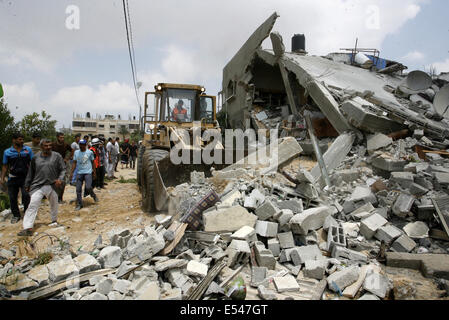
[382, 200]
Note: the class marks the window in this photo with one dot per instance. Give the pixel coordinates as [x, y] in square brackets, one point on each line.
[78, 124]
[101, 126]
[207, 109]
[91, 124]
[112, 126]
[133, 126]
[178, 105]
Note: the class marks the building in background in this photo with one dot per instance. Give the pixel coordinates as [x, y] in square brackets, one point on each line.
[108, 126]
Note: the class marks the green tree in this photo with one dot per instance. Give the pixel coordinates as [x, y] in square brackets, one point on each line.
[7, 127]
[123, 131]
[38, 122]
[137, 136]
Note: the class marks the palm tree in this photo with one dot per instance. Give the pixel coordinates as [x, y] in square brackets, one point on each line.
[123, 131]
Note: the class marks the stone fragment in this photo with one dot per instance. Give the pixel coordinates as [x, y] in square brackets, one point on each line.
[258, 275]
[254, 200]
[417, 230]
[17, 283]
[163, 219]
[359, 197]
[228, 219]
[311, 219]
[264, 257]
[39, 274]
[300, 255]
[124, 268]
[369, 296]
[115, 296]
[404, 179]
[104, 286]
[110, 257]
[86, 263]
[341, 252]
[378, 141]
[238, 252]
[245, 233]
[122, 286]
[96, 296]
[197, 177]
[197, 269]
[266, 294]
[169, 264]
[62, 269]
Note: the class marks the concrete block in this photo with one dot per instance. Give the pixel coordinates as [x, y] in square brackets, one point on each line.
[266, 211]
[388, 233]
[286, 284]
[163, 219]
[369, 226]
[274, 246]
[110, 257]
[417, 190]
[264, 257]
[300, 255]
[315, 269]
[403, 244]
[254, 200]
[403, 205]
[335, 237]
[311, 219]
[267, 229]
[359, 197]
[285, 255]
[228, 219]
[238, 252]
[341, 279]
[388, 164]
[376, 284]
[286, 240]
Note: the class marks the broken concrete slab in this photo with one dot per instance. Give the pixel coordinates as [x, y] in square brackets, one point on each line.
[151, 292]
[388, 233]
[403, 205]
[227, 219]
[417, 230]
[110, 257]
[197, 269]
[62, 269]
[286, 240]
[238, 252]
[86, 263]
[266, 211]
[300, 255]
[315, 269]
[376, 284]
[311, 219]
[40, 275]
[267, 229]
[264, 257]
[245, 233]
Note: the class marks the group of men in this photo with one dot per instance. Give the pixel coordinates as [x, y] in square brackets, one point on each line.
[41, 168]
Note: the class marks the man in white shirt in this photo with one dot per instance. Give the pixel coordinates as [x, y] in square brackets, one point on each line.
[110, 149]
[75, 146]
[117, 150]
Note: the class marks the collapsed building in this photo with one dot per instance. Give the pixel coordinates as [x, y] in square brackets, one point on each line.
[375, 199]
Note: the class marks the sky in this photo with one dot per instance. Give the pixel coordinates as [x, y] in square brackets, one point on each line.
[70, 57]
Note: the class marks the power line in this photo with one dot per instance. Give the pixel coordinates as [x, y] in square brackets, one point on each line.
[131, 48]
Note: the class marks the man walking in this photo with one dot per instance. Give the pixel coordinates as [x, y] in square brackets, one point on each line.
[65, 151]
[125, 150]
[83, 160]
[117, 152]
[133, 155]
[17, 159]
[96, 151]
[110, 149]
[35, 143]
[103, 163]
[75, 146]
[46, 175]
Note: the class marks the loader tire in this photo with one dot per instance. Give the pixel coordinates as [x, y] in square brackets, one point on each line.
[149, 157]
[139, 167]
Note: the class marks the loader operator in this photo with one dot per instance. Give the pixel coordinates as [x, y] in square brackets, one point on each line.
[180, 113]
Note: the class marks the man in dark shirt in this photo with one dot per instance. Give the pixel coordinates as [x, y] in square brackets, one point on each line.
[65, 151]
[17, 159]
[133, 155]
[46, 174]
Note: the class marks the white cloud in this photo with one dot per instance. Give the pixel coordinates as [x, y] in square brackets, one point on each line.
[442, 66]
[414, 56]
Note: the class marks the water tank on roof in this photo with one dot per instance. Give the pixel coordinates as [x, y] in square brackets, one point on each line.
[299, 43]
